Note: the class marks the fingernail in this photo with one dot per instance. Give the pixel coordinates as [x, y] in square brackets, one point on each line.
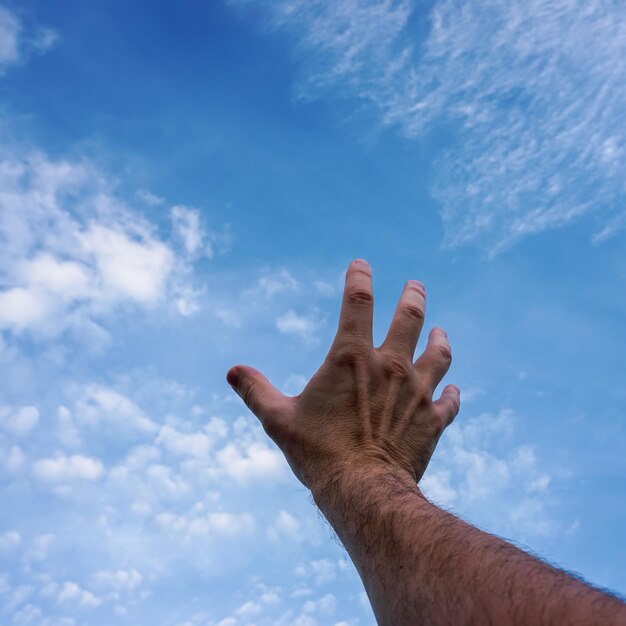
[233, 378]
[417, 283]
[361, 263]
[456, 389]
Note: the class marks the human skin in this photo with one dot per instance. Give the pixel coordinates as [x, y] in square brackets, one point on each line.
[360, 437]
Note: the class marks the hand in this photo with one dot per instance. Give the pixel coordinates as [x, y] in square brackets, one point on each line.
[365, 408]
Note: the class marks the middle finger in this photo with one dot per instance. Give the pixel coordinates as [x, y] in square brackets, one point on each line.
[407, 321]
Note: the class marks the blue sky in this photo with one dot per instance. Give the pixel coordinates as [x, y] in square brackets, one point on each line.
[181, 189]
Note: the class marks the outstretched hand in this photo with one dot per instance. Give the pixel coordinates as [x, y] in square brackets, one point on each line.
[366, 408]
[360, 436]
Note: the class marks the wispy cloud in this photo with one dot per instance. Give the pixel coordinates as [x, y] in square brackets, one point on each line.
[533, 96]
[303, 326]
[17, 41]
[10, 29]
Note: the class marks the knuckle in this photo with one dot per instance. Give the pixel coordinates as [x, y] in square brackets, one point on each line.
[425, 402]
[360, 296]
[396, 366]
[443, 351]
[456, 406]
[414, 312]
[347, 354]
[455, 401]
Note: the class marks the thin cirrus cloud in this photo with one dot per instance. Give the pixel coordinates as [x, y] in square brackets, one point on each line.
[531, 94]
[9, 37]
[15, 44]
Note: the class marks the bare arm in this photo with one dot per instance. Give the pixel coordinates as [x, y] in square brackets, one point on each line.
[360, 437]
[421, 565]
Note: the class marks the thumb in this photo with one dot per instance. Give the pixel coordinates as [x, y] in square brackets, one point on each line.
[260, 396]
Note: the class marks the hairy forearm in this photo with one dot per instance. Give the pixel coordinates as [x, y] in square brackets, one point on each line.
[375, 408]
[420, 564]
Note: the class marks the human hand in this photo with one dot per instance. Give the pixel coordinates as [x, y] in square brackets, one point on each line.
[365, 408]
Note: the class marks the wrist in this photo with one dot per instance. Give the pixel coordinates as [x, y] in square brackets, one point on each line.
[362, 482]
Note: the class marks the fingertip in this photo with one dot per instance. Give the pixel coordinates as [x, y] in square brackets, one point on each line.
[361, 264]
[449, 404]
[417, 284]
[233, 377]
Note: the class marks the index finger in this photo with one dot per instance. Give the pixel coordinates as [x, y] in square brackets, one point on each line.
[357, 308]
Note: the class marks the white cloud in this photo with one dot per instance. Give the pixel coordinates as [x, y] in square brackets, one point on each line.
[19, 422]
[128, 268]
[188, 301]
[30, 614]
[285, 526]
[165, 479]
[326, 605]
[437, 485]
[477, 468]
[323, 571]
[270, 597]
[73, 252]
[250, 461]
[71, 593]
[98, 406]
[184, 444]
[195, 239]
[188, 229]
[62, 468]
[21, 308]
[280, 281]
[117, 580]
[149, 198]
[291, 323]
[9, 540]
[535, 145]
[212, 524]
[249, 610]
[63, 279]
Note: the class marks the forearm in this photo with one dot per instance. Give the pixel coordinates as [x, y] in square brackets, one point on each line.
[420, 564]
[376, 407]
